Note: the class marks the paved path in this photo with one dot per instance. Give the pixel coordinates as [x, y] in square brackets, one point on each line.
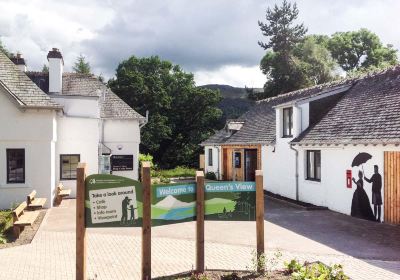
[115, 253]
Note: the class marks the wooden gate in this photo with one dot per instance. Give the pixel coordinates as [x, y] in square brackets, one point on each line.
[392, 187]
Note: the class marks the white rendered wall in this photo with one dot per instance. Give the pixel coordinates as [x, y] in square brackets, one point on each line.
[77, 136]
[32, 130]
[79, 106]
[123, 138]
[216, 163]
[332, 191]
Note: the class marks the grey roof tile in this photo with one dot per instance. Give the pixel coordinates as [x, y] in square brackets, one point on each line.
[75, 84]
[17, 83]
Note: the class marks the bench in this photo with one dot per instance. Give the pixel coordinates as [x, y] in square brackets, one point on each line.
[33, 202]
[61, 193]
[22, 218]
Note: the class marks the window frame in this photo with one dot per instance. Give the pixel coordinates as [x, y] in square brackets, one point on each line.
[290, 135]
[61, 166]
[210, 157]
[8, 166]
[313, 177]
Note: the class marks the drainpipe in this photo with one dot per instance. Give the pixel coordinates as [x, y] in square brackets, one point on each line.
[146, 120]
[219, 161]
[297, 171]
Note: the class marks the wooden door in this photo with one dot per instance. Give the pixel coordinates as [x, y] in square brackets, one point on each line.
[392, 188]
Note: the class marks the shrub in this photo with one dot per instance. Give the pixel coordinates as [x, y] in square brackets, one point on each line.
[211, 176]
[146, 157]
[315, 271]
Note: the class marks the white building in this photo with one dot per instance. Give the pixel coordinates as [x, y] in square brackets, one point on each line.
[311, 143]
[51, 121]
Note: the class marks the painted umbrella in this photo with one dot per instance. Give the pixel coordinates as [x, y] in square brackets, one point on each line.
[361, 158]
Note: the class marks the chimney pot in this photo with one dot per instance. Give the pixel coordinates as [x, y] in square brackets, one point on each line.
[19, 61]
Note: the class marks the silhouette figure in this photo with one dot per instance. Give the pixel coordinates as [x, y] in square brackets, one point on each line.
[132, 213]
[360, 206]
[376, 181]
[125, 203]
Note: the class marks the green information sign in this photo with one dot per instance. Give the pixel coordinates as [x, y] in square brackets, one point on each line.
[173, 203]
[230, 201]
[113, 201]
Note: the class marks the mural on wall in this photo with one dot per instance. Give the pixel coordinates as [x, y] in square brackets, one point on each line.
[360, 205]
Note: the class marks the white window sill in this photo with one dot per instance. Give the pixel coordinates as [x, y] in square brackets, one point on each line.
[15, 186]
[312, 182]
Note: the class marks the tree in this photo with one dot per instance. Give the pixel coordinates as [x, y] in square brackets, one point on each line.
[81, 66]
[181, 114]
[362, 49]
[45, 68]
[279, 64]
[4, 49]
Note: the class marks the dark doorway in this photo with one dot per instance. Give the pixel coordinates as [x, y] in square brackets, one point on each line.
[250, 156]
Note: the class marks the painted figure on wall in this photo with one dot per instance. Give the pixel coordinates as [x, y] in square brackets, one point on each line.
[376, 181]
[360, 206]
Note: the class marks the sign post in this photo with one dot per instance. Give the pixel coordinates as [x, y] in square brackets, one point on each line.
[80, 223]
[259, 216]
[146, 227]
[200, 222]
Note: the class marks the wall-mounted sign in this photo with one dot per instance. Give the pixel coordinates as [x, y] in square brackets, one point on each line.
[121, 162]
[113, 201]
[238, 160]
[232, 201]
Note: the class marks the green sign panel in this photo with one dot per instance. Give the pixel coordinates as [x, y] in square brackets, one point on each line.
[230, 201]
[173, 203]
[113, 201]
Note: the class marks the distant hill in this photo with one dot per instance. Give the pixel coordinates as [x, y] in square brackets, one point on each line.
[228, 91]
[234, 103]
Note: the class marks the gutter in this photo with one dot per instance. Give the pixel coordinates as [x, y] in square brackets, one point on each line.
[297, 171]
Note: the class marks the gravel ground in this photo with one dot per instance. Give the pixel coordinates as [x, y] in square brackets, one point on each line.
[26, 235]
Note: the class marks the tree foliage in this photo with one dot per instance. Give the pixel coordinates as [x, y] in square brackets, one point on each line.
[81, 65]
[181, 114]
[362, 49]
[4, 49]
[292, 60]
[45, 68]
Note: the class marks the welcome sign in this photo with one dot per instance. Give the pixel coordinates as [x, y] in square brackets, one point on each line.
[230, 201]
[173, 203]
[113, 201]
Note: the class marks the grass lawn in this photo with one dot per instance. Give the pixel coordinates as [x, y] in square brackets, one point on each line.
[179, 171]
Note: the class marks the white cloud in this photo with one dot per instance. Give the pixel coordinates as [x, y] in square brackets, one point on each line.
[206, 37]
[234, 75]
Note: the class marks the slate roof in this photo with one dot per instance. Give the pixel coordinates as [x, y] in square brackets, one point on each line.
[369, 113]
[21, 88]
[75, 84]
[260, 126]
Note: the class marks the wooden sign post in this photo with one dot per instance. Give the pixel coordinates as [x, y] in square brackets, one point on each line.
[259, 216]
[146, 227]
[80, 223]
[200, 222]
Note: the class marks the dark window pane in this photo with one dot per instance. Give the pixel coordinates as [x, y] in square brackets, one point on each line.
[15, 166]
[68, 165]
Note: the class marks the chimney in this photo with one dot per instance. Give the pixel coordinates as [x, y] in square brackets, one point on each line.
[56, 65]
[19, 61]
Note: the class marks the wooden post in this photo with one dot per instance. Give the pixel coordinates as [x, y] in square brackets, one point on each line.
[200, 222]
[259, 215]
[146, 227]
[80, 223]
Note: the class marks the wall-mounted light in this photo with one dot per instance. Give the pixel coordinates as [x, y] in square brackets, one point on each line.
[119, 147]
[273, 150]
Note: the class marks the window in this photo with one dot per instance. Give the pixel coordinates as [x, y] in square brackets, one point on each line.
[314, 165]
[15, 166]
[68, 165]
[287, 122]
[104, 164]
[210, 157]
[238, 161]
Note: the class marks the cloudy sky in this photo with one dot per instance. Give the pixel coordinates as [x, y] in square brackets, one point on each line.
[215, 39]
